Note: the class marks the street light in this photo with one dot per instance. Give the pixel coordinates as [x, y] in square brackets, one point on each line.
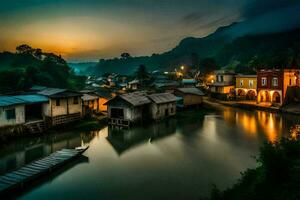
[182, 67]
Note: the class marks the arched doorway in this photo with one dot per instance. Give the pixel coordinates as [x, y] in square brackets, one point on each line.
[251, 95]
[241, 92]
[276, 97]
[264, 96]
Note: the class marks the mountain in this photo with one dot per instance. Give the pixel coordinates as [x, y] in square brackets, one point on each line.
[239, 46]
[20, 71]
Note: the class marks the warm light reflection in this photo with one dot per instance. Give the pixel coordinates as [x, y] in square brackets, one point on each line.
[259, 121]
[247, 122]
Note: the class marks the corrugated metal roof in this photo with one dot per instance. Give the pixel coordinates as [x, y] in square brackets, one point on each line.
[162, 98]
[87, 97]
[191, 90]
[59, 93]
[136, 98]
[188, 81]
[22, 99]
[51, 91]
[38, 87]
[166, 84]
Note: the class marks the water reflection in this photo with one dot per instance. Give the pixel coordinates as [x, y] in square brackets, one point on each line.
[25, 151]
[177, 158]
[253, 123]
[124, 139]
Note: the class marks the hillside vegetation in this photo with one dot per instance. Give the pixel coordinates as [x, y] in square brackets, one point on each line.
[27, 67]
[242, 52]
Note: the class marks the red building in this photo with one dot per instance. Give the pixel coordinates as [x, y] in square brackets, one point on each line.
[272, 84]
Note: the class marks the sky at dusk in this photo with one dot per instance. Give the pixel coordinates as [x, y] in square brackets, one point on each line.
[82, 30]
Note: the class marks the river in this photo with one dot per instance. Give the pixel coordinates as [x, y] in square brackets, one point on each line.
[179, 158]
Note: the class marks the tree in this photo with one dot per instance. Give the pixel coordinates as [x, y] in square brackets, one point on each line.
[208, 65]
[37, 53]
[125, 55]
[24, 49]
[142, 74]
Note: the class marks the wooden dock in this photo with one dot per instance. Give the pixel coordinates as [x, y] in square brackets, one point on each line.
[32, 171]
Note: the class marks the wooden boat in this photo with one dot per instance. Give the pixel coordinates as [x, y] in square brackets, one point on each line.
[32, 171]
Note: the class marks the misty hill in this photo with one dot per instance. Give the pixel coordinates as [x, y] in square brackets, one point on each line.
[236, 46]
[27, 67]
[82, 68]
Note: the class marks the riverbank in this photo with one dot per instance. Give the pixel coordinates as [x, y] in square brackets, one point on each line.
[276, 176]
[248, 105]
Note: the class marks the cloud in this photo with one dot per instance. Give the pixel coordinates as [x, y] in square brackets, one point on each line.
[262, 7]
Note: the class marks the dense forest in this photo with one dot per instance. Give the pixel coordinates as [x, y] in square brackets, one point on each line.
[242, 52]
[28, 66]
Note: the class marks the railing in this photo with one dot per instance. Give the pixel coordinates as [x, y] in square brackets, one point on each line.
[119, 122]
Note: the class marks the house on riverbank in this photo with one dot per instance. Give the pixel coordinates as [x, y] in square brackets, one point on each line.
[130, 108]
[24, 112]
[272, 84]
[163, 105]
[90, 104]
[64, 105]
[190, 96]
[246, 87]
[223, 85]
[125, 109]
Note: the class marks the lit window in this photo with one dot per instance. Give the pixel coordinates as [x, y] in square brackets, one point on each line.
[10, 114]
[241, 82]
[263, 81]
[275, 81]
[250, 83]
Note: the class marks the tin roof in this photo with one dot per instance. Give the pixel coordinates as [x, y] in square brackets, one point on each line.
[21, 99]
[58, 93]
[51, 91]
[136, 98]
[88, 97]
[162, 98]
[188, 81]
[191, 90]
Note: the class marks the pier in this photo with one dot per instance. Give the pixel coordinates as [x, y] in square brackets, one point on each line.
[32, 171]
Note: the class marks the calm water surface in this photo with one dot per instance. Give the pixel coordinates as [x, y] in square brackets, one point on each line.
[176, 159]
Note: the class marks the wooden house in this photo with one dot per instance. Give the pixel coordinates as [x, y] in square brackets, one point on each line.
[64, 105]
[133, 85]
[122, 110]
[190, 96]
[223, 85]
[166, 85]
[90, 104]
[163, 105]
[104, 96]
[27, 110]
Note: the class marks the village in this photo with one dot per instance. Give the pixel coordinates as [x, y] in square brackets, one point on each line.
[124, 101]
